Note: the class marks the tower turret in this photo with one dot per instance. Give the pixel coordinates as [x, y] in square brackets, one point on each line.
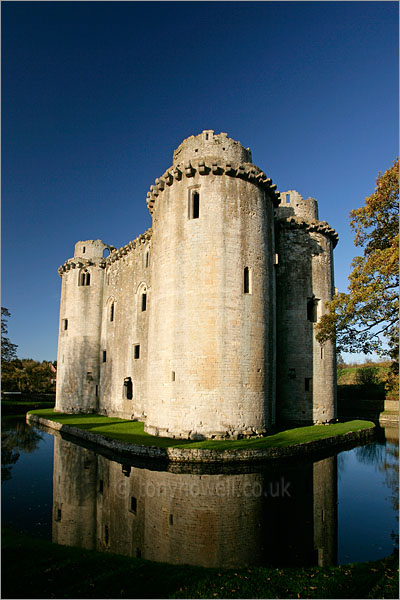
[211, 357]
[306, 371]
[80, 325]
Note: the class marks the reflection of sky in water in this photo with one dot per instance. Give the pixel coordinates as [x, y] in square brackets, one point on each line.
[366, 514]
[367, 489]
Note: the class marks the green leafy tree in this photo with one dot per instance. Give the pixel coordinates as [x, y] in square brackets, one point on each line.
[365, 319]
[8, 350]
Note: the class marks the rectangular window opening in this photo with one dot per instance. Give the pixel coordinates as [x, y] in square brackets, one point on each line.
[65, 324]
[308, 384]
[247, 280]
[104, 356]
[312, 310]
[106, 534]
[137, 351]
[112, 312]
[322, 352]
[58, 514]
[144, 302]
[133, 507]
[101, 486]
[194, 204]
[172, 375]
[138, 553]
[147, 261]
[171, 519]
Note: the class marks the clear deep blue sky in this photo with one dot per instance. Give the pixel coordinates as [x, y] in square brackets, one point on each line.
[96, 96]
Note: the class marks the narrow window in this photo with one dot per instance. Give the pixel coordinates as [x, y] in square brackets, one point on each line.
[112, 311]
[101, 486]
[84, 278]
[171, 519]
[128, 388]
[307, 384]
[147, 260]
[322, 352]
[144, 301]
[173, 376]
[97, 391]
[58, 514]
[106, 252]
[83, 249]
[106, 534]
[194, 204]
[206, 136]
[138, 553]
[133, 504]
[312, 305]
[137, 350]
[104, 356]
[247, 280]
[65, 324]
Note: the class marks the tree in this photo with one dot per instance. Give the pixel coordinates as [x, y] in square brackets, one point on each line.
[365, 319]
[8, 350]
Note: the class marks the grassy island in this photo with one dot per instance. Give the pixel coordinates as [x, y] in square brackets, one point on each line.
[132, 432]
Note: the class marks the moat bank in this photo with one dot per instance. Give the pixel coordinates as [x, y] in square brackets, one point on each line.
[128, 437]
[82, 573]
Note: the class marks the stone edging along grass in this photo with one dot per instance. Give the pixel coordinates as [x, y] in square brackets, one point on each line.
[281, 445]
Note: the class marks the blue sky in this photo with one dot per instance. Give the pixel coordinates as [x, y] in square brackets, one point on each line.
[96, 96]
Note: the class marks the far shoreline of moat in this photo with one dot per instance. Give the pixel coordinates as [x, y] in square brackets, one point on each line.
[128, 438]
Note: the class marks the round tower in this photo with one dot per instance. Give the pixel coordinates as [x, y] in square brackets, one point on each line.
[80, 326]
[212, 325]
[306, 371]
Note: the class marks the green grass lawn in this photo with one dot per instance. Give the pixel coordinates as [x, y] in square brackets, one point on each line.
[132, 432]
[33, 568]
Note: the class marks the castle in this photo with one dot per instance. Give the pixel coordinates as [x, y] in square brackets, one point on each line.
[203, 326]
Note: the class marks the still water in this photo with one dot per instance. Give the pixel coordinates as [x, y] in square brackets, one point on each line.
[337, 509]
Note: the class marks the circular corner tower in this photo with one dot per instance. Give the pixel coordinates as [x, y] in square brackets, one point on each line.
[212, 325]
[306, 370]
[78, 355]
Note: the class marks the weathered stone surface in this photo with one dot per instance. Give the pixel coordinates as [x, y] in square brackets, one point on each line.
[165, 331]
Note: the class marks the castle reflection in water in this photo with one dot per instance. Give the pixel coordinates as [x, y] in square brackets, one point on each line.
[279, 515]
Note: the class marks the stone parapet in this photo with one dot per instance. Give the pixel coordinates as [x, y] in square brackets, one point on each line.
[116, 254]
[311, 226]
[205, 166]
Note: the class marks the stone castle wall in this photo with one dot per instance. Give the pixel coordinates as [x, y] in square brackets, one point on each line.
[194, 326]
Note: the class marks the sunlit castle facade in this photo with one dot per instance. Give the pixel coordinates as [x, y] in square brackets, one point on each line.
[204, 325]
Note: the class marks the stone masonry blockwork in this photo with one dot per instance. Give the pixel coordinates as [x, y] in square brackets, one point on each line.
[203, 326]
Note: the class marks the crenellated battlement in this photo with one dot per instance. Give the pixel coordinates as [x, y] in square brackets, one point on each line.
[211, 145]
[103, 262]
[204, 166]
[312, 226]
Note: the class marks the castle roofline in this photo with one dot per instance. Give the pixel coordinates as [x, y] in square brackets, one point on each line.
[311, 226]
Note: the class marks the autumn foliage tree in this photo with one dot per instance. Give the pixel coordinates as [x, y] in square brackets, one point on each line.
[365, 319]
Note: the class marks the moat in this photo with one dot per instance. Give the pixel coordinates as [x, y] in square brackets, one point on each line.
[337, 509]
